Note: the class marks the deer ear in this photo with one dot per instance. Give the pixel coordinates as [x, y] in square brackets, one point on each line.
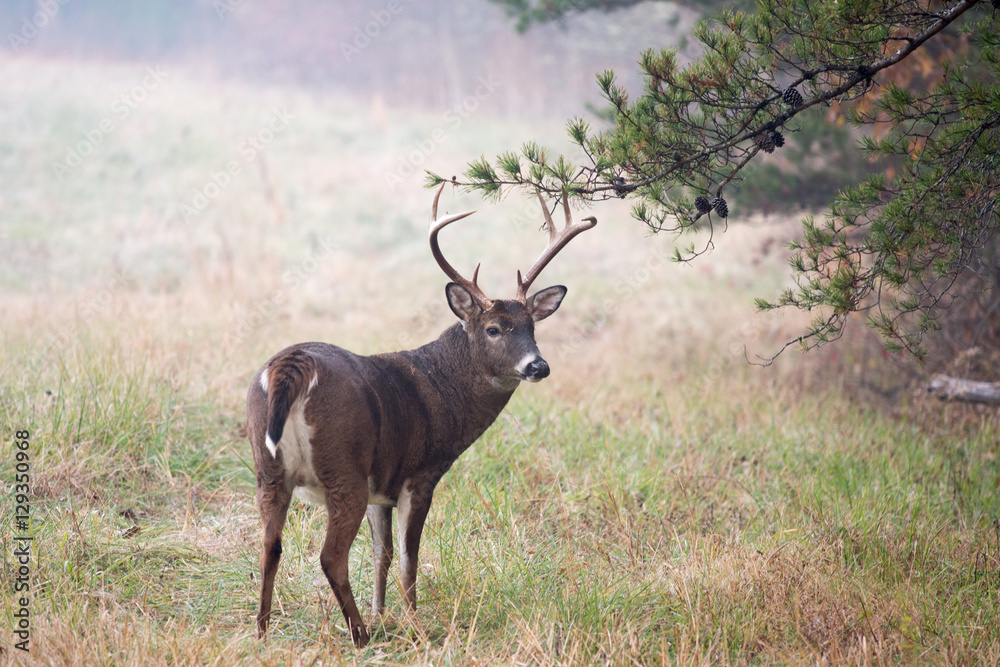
[545, 302]
[461, 302]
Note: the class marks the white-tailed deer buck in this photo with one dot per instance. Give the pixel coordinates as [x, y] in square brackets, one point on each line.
[372, 433]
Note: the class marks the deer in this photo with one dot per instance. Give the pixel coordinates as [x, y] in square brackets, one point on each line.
[363, 434]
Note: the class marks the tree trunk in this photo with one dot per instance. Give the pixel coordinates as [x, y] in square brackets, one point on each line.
[956, 389]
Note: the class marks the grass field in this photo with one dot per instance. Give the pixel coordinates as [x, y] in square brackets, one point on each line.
[655, 501]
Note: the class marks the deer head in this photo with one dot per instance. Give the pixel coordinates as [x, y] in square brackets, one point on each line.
[501, 331]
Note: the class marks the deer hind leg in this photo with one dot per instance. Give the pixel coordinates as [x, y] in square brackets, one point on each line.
[380, 520]
[273, 501]
[346, 510]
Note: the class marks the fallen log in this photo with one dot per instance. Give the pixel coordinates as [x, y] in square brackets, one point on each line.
[956, 389]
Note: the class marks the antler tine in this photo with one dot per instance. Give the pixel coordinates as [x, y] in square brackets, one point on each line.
[557, 241]
[437, 224]
[549, 225]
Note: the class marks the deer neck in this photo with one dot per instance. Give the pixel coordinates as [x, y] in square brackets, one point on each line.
[471, 398]
[453, 354]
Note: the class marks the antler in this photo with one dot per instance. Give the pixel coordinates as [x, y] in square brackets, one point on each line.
[437, 224]
[557, 240]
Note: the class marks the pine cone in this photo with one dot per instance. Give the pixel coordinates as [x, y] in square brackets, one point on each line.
[702, 204]
[777, 138]
[720, 206]
[765, 142]
[792, 97]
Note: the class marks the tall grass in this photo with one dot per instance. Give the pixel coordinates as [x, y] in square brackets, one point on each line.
[657, 501]
[814, 531]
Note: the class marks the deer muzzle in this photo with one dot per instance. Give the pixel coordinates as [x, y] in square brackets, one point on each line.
[534, 369]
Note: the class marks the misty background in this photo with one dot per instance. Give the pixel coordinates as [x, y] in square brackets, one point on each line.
[100, 156]
[401, 53]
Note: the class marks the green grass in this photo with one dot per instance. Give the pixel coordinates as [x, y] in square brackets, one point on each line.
[655, 501]
[814, 531]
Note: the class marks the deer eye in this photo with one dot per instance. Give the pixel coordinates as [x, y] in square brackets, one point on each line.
[493, 331]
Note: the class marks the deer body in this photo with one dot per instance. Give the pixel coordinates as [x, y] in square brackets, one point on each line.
[364, 434]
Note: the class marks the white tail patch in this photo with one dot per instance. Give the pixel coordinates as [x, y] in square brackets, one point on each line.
[270, 444]
[296, 453]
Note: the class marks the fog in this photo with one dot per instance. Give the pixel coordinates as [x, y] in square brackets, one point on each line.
[405, 54]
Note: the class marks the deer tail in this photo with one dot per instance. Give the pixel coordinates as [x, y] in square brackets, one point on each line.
[288, 378]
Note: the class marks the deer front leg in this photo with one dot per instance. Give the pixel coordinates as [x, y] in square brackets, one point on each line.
[380, 521]
[412, 507]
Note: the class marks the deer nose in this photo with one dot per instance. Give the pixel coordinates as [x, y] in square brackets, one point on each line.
[536, 369]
